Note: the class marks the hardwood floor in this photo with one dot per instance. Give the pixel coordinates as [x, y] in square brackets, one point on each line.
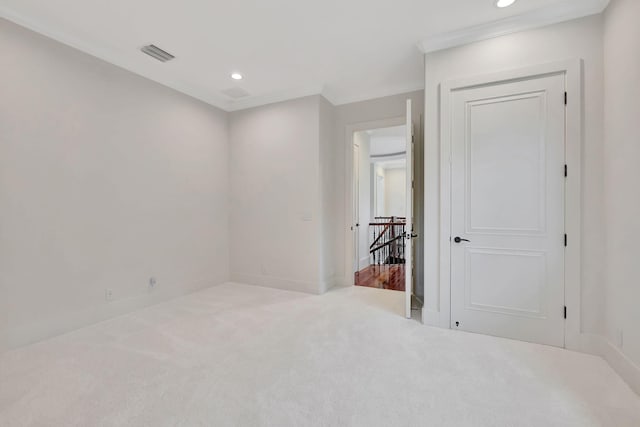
[382, 277]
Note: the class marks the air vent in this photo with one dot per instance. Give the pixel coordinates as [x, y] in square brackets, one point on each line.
[157, 53]
[235, 92]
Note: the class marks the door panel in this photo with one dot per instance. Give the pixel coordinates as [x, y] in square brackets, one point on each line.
[509, 128]
[408, 285]
[507, 163]
[356, 208]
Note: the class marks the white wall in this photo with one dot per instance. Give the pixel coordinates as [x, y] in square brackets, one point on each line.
[362, 140]
[368, 111]
[329, 231]
[106, 179]
[277, 195]
[621, 177]
[575, 39]
[395, 188]
[379, 206]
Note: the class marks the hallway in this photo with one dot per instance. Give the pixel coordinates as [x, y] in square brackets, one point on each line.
[386, 276]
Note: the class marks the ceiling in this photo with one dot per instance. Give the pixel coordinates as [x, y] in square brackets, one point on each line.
[348, 50]
[387, 141]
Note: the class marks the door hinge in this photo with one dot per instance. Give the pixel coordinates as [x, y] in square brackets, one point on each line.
[565, 240]
[566, 98]
[565, 311]
[566, 171]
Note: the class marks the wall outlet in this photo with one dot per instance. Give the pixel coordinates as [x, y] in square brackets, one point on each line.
[108, 294]
[152, 283]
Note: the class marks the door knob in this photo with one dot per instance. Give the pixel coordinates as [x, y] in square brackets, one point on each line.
[460, 239]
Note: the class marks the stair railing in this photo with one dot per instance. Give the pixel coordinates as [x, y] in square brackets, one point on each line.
[387, 237]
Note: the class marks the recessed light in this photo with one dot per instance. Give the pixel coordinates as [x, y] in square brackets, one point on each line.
[505, 3]
[236, 76]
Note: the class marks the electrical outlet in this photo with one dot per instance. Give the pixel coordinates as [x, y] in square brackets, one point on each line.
[108, 294]
[152, 283]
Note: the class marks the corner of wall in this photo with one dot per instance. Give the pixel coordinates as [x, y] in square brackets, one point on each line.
[599, 345]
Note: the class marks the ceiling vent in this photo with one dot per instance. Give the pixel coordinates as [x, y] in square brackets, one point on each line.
[235, 92]
[157, 53]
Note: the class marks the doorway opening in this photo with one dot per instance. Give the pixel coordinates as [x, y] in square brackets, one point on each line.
[380, 207]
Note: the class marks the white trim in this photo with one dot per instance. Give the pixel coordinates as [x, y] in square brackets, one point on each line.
[303, 286]
[73, 320]
[409, 202]
[272, 98]
[431, 317]
[573, 143]
[329, 283]
[163, 76]
[374, 94]
[348, 201]
[114, 58]
[619, 362]
[570, 9]
[553, 14]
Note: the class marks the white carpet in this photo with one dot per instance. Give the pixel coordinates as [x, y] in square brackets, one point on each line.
[237, 355]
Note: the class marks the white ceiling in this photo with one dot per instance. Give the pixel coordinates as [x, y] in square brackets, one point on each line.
[387, 141]
[348, 50]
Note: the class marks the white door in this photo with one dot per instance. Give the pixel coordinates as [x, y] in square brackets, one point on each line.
[408, 266]
[507, 209]
[355, 225]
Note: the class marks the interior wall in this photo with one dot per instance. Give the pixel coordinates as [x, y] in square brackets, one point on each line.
[329, 231]
[362, 140]
[276, 208]
[106, 179]
[379, 206]
[621, 176]
[580, 38]
[395, 191]
[368, 111]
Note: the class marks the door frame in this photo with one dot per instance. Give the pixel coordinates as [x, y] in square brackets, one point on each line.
[572, 69]
[351, 129]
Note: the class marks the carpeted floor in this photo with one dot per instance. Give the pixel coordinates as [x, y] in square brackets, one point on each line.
[237, 355]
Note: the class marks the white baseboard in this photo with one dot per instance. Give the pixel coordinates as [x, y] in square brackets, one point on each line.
[430, 317]
[625, 367]
[329, 283]
[589, 343]
[364, 263]
[66, 322]
[278, 283]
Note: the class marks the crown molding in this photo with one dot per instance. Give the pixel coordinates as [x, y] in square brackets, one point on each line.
[567, 10]
[285, 95]
[564, 11]
[109, 55]
[336, 99]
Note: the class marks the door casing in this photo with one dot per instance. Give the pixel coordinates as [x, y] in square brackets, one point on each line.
[572, 69]
[349, 249]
